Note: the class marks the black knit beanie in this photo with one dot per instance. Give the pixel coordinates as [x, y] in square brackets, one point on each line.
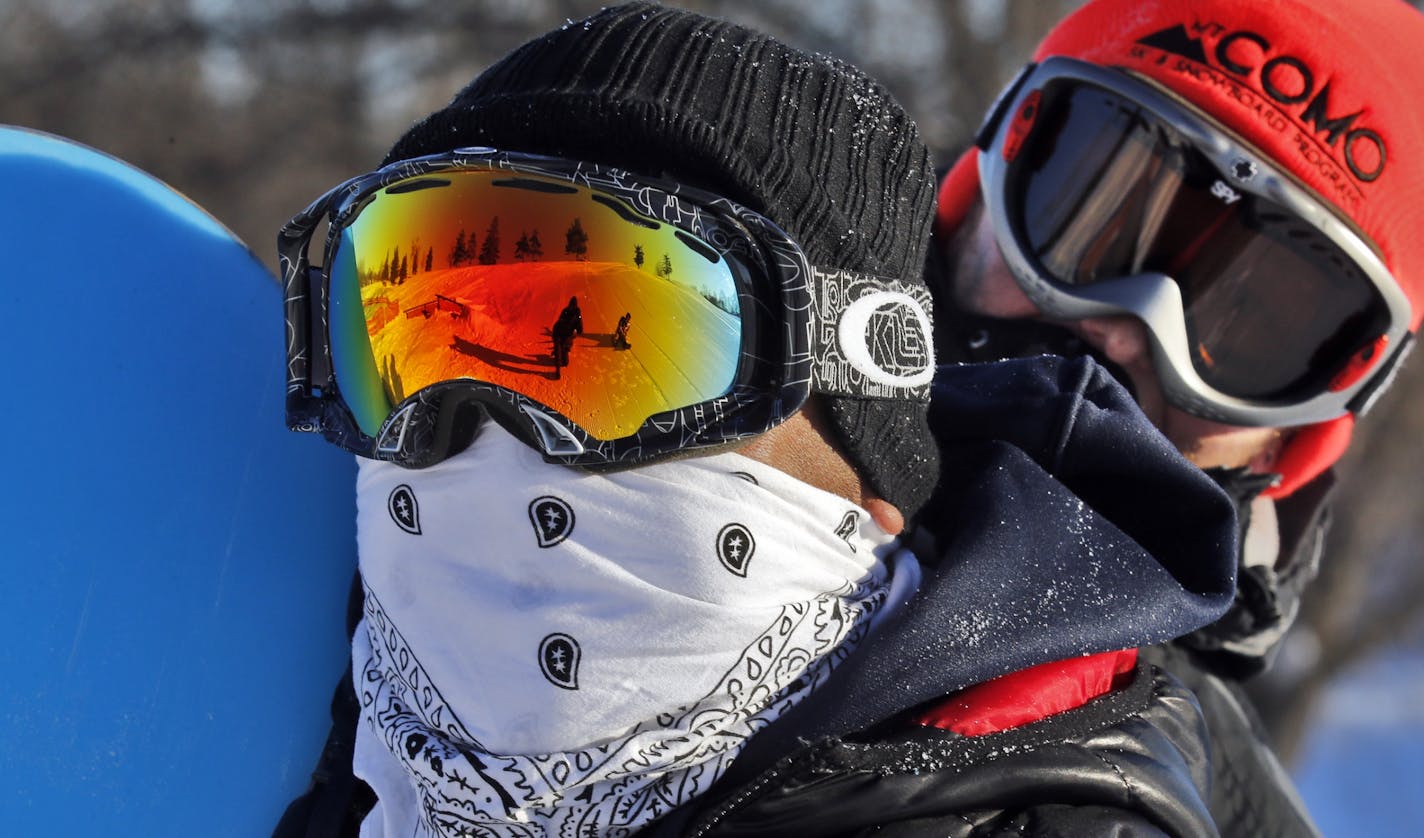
[806, 140]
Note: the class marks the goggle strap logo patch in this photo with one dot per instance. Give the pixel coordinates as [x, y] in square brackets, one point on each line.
[873, 337]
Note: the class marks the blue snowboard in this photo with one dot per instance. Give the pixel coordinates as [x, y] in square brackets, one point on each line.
[175, 562]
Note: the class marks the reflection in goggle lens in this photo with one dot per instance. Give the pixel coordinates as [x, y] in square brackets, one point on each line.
[553, 290]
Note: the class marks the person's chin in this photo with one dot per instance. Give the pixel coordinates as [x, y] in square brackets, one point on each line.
[1211, 444]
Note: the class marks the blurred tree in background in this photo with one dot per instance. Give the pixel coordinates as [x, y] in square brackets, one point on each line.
[255, 107]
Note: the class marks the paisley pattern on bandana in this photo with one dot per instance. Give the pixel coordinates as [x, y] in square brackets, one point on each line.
[552, 652]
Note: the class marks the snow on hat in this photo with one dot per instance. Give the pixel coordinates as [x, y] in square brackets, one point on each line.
[1329, 89]
[808, 141]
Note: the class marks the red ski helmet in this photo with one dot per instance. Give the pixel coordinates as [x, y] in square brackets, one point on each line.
[1328, 89]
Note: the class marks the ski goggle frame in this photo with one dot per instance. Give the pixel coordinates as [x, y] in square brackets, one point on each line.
[370, 368]
[1263, 306]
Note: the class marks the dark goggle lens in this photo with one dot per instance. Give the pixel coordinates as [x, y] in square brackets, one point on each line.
[470, 275]
[1103, 189]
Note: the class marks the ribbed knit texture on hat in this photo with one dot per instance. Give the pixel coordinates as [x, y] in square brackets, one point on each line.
[806, 140]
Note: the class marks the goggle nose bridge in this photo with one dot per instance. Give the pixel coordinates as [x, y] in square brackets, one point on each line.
[1155, 299]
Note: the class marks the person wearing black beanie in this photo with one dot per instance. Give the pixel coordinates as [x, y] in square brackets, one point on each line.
[810, 142]
[717, 622]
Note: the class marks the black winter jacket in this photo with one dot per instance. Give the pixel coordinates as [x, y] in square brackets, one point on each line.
[1128, 764]
[1065, 525]
[1251, 794]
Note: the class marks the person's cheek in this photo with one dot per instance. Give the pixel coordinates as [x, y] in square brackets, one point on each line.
[982, 282]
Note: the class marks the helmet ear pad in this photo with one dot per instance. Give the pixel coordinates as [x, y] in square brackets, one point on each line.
[1309, 452]
[958, 192]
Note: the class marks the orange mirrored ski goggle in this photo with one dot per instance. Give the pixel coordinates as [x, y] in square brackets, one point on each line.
[600, 316]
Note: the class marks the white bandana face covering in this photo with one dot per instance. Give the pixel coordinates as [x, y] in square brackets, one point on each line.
[547, 651]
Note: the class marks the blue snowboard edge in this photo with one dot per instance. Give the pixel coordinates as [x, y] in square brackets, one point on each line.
[177, 562]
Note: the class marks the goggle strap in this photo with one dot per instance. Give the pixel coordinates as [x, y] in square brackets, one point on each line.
[873, 337]
[301, 281]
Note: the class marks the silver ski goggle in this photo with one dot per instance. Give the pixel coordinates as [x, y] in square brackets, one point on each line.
[1110, 196]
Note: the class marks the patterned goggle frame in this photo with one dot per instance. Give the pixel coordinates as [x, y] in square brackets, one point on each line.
[793, 329]
[1110, 196]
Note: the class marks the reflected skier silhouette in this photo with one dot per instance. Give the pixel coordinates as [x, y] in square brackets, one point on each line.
[569, 323]
[620, 334]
